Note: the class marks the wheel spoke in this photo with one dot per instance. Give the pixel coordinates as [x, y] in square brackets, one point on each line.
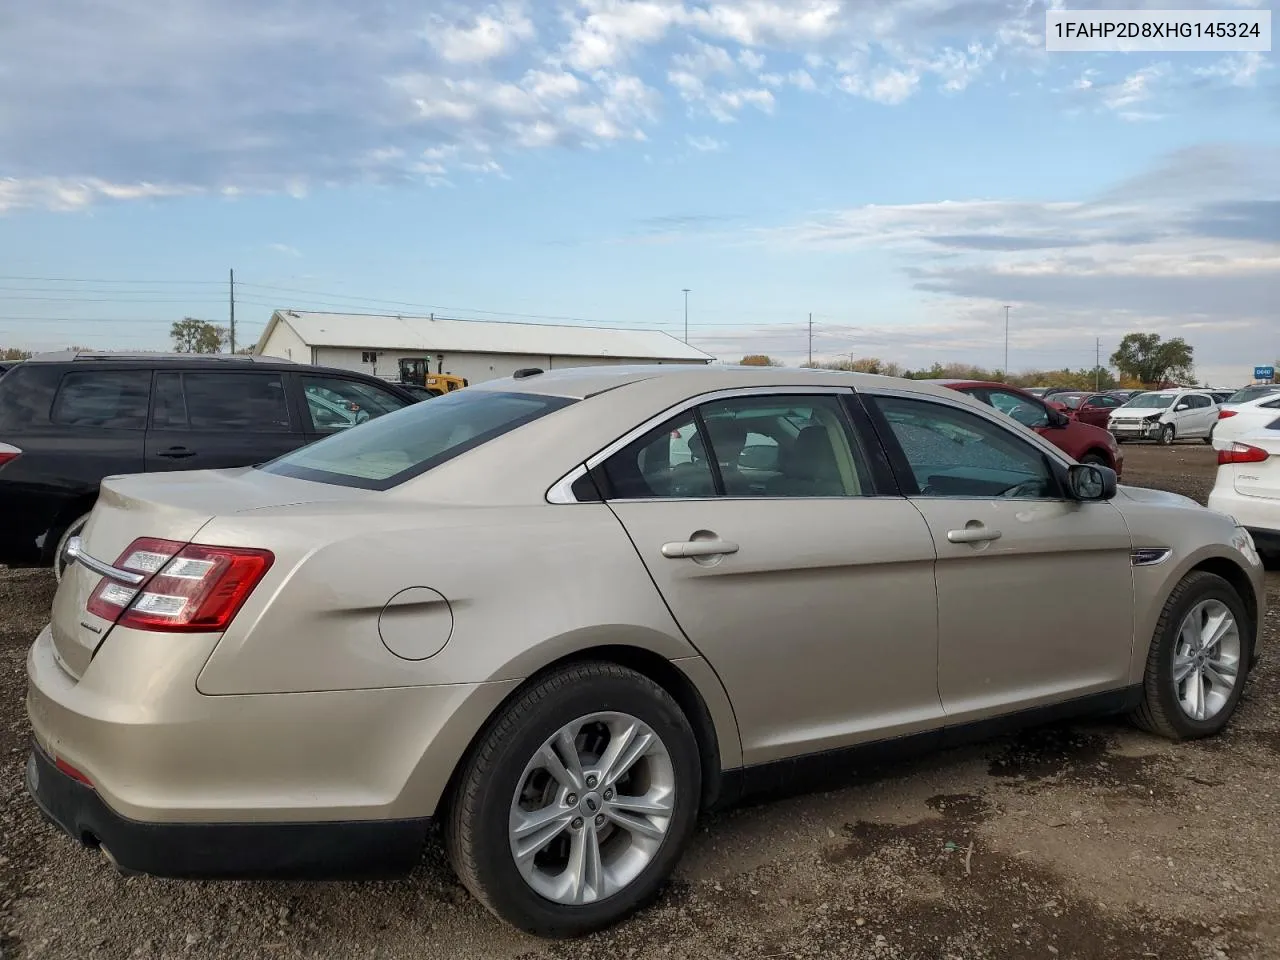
[566, 741]
[1190, 635]
[637, 825]
[1221, 674]
[1196, 689]
[1216, 628]
[533, 830]
[550, 761]
[585, 869]
[649, 805]
[636, 747]
[1182, 668]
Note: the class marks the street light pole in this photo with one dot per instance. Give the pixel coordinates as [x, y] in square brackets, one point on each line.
[685, 291]
[1006, 341]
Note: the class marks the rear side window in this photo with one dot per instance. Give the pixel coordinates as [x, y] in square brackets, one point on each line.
[381, 453]
[108, 399]
[26, 395]
[243, 402]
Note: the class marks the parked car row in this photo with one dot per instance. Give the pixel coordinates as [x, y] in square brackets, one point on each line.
[68, 420]
[699, 583]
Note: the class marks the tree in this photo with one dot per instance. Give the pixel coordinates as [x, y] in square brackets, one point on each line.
[197, 336]
[13, 353]
[1151, 360]
[760, 360]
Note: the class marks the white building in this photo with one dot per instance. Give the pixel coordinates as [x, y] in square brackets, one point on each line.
[476, 349]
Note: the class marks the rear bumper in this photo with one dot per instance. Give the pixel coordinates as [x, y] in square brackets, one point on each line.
[328, 850]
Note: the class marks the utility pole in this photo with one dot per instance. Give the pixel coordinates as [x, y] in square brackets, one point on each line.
[685, 291]
[232, 304]
[1097, 364]
[811, 339]
[1006, 341]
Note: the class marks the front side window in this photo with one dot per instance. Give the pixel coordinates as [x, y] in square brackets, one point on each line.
[391, 449]
[335, 404]
[1102, 400]
[1027, 412]
[109, 399]
[955, 453]
[758, 446]
[235, 401]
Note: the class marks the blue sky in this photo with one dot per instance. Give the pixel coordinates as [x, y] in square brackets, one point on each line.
[901, 168]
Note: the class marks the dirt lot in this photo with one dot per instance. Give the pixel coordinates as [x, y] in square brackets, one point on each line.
[1090, 841]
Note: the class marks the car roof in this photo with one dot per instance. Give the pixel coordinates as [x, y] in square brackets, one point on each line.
[206, 361]
[579, 383]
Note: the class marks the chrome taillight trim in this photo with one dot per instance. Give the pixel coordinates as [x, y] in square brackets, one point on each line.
[74, 553]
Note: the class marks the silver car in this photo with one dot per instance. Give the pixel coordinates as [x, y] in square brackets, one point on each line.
[559, 616]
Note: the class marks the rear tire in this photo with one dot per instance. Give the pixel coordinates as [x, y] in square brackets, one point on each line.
[511, 794]
[1164, 709]
[1097, 459]
[1167, 435]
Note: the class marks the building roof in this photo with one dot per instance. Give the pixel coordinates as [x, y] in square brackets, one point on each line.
[406, 333]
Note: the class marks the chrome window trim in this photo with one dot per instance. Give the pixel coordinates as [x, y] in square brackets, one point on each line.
[561, 489]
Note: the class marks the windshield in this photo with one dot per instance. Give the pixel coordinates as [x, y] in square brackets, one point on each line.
[1253, 393]
[382, 453]
[1072, 400]
[1152, 401]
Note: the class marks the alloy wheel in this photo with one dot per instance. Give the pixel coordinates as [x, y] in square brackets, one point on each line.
[592, 808]
[1206, 659]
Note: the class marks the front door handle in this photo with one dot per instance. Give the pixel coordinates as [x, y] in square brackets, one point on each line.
[975, 533]
[176, 453]
[697, 548]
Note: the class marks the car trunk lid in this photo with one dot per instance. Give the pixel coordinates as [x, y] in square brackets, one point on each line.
[1257, 477]
[168, 506]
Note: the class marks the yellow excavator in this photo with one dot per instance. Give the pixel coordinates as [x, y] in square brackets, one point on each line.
[416, 371]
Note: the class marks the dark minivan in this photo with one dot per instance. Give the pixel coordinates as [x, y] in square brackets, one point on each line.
[68, 420]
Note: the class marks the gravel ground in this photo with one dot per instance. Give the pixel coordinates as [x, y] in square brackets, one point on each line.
[1091, 841]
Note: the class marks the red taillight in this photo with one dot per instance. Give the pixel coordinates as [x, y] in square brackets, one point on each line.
[1242, 453]
[71, 771]
[8, 452]
[193, 588]
[1223, 414]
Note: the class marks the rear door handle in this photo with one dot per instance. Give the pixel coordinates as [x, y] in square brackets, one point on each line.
[176, 453]
[697, 548]
[974, 534]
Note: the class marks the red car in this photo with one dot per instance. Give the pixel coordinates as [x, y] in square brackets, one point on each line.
[1082, 441]
[1093, 408]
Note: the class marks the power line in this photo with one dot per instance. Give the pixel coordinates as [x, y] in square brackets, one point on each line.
[89, 280]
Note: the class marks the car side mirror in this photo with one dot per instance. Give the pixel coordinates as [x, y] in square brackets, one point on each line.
[1057, 418]
[1182, 406]
[1089, 482]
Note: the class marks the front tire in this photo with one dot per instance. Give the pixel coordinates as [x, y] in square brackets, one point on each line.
[577, 802]
[1167, 435]
[1096, 459]
[1198, 661]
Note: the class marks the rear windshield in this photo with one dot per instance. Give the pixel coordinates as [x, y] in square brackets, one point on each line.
[1152, 401]
[382, 453]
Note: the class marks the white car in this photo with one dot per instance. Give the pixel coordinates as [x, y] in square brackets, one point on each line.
[1257, 409]
[1165, 416]
[1248, 488]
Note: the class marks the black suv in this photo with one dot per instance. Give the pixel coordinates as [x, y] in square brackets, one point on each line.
[67, 420]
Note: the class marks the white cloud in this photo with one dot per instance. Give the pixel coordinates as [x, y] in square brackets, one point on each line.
[234, 97]
[494, 33]
[1149, 254]
[706, 144]
[285, 250]
[1239, 70]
